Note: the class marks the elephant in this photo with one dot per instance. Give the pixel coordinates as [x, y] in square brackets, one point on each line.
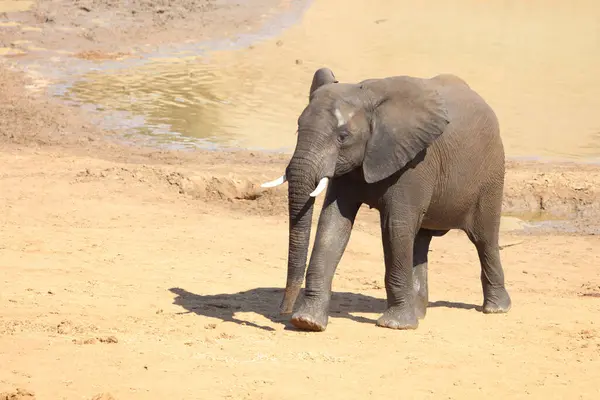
[424, 152]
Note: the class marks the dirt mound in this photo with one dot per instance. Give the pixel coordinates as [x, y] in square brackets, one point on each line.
[554, 192]
[563, 190]
[568, 192]
[235, 191]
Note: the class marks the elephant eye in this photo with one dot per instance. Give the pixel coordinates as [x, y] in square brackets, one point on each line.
[343, 135]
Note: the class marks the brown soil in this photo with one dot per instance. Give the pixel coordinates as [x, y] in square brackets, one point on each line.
[93, 27]
[141, 274]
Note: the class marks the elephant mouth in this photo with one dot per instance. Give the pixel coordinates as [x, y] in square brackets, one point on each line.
[283, 178]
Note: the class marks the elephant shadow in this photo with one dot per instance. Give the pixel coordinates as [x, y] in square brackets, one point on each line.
[265, 302]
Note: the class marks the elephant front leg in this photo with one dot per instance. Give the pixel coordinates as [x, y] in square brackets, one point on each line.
[420, 279]
[333, 233]
[398, 247]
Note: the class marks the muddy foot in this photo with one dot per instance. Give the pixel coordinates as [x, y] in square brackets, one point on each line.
[307, 323]
[396, 318]
[310, 316]
[497, 303]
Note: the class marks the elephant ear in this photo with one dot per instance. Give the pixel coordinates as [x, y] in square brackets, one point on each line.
[409, 116]
[322, 76]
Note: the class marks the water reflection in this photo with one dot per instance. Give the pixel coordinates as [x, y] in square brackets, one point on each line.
[534, 62]
[195, 99]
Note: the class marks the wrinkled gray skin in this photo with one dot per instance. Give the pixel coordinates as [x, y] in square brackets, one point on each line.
[427, 154]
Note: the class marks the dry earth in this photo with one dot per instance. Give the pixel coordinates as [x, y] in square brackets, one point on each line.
[105, 29]
[131, 273]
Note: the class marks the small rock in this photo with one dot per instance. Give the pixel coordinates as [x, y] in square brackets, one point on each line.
[298, 61]
[279, 43]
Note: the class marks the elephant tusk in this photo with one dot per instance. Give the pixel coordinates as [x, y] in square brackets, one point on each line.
[320, 187]
[279, 181]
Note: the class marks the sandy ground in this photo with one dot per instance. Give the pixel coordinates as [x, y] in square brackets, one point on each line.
[133, 273]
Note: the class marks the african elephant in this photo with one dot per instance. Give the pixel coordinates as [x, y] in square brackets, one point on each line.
[426, 153]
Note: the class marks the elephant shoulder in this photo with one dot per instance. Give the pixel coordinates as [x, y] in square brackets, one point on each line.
[463, 103]
[449, 79]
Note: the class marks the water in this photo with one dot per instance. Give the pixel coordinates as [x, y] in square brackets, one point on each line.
[535, 62]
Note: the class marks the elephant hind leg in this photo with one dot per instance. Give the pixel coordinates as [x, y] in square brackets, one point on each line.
[484, 232]
[420, 279]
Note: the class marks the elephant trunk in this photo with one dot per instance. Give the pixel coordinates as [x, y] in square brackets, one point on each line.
[301, 179]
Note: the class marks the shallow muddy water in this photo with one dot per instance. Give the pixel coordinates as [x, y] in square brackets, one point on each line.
[535, 62]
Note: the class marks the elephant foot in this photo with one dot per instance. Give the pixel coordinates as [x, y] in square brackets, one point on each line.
[289, 299]
[497, 302]
[310, 318]
[398, 318]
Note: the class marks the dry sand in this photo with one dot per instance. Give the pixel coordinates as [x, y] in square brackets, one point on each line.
[133, 273]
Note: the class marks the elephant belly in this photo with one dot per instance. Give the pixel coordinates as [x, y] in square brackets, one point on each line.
[447, 213]
[441, 223]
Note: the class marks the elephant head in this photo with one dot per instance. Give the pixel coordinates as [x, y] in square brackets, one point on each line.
[378, 126]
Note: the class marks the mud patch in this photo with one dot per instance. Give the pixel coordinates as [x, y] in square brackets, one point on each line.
[29, 119]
